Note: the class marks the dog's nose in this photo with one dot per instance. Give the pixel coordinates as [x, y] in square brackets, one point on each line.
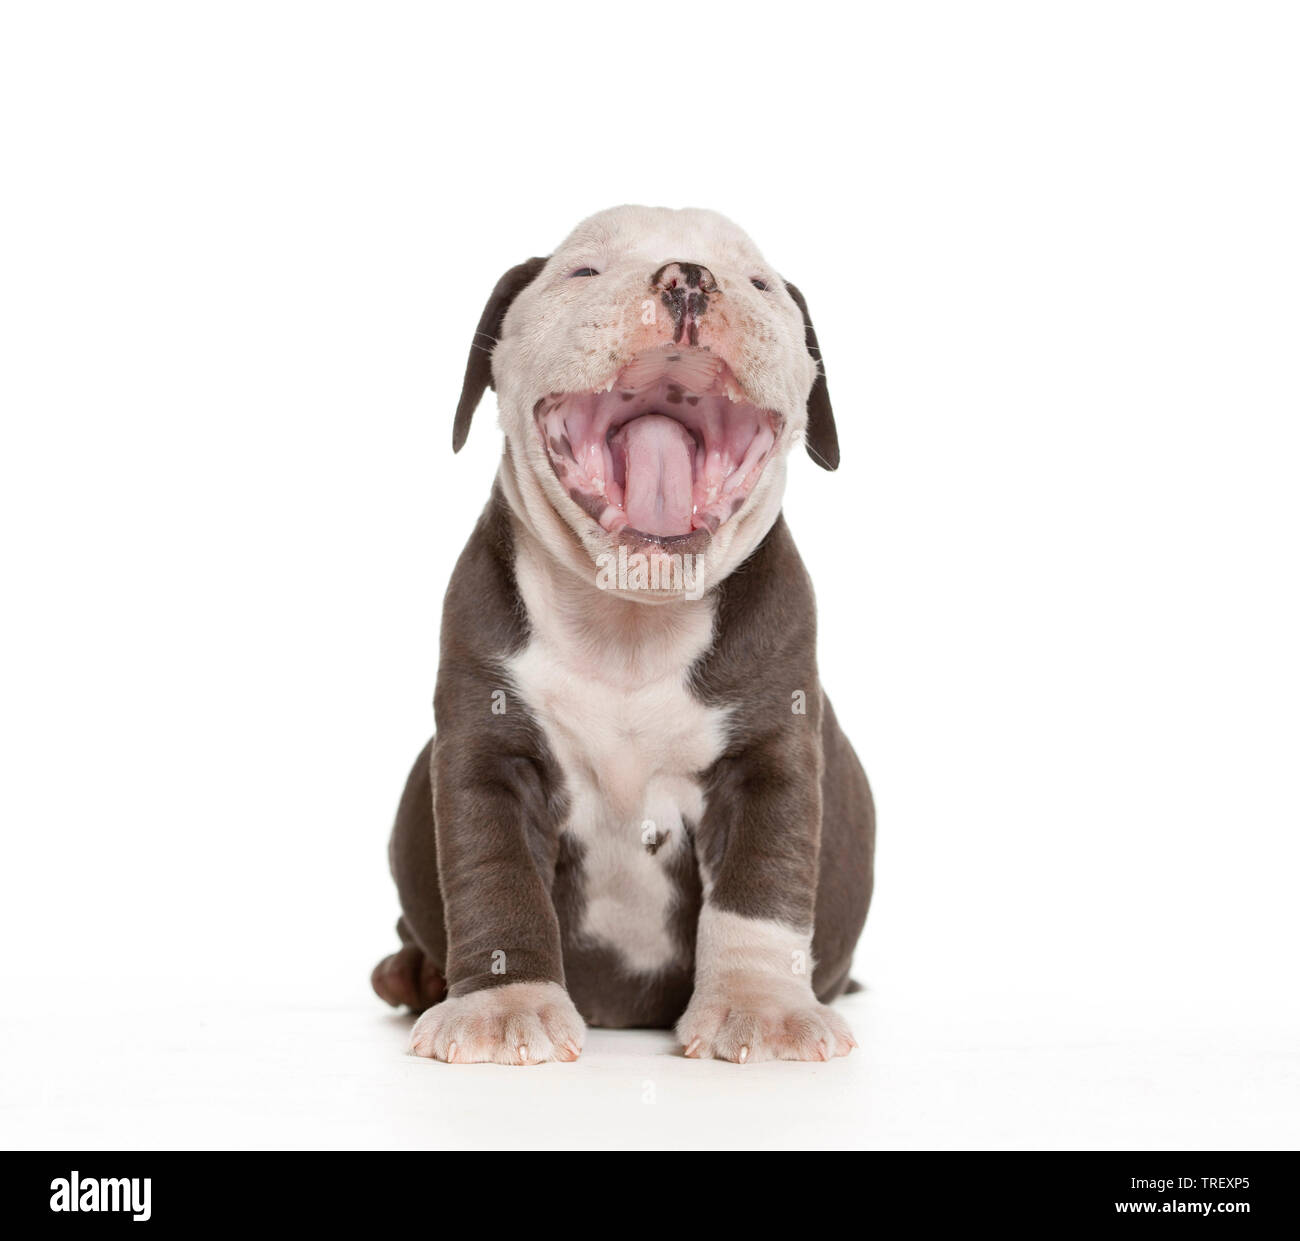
[684, 288]
[682, 275]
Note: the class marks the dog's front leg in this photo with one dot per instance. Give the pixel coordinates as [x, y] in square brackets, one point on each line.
[506, 1000]
[757, 843]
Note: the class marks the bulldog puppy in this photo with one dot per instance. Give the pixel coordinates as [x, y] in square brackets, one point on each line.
[638, 808]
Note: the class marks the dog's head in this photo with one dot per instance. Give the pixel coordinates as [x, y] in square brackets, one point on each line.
[652, 376]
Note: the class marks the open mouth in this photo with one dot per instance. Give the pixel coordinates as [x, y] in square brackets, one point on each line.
[671, 447]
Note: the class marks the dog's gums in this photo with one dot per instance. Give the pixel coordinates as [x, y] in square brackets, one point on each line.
[670, 447]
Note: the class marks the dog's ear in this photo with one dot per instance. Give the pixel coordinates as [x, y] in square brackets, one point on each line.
[478, 370]
[822, 441]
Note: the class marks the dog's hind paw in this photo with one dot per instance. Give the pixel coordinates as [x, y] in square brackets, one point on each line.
[519, 1023]
[408, 977]
[750, 1022]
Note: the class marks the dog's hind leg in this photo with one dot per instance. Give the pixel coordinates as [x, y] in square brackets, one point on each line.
[846, 858]
[413, 975]
[408, 976]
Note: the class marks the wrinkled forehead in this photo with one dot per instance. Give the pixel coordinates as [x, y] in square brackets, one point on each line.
[656, 234]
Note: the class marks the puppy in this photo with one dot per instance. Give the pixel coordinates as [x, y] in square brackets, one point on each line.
[638, 808]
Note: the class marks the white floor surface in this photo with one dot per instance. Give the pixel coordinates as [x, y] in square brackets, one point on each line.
[130, 1073]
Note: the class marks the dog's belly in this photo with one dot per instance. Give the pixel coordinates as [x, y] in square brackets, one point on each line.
[631, 750]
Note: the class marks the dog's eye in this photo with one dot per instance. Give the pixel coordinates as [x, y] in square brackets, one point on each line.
[760, 285]
[584, 271]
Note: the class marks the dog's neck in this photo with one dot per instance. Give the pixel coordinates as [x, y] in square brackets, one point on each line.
[627, 637]
[610, 636]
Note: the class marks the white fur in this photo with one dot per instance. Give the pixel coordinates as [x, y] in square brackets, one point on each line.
[729, 945]
[605, 678]
[753, 997]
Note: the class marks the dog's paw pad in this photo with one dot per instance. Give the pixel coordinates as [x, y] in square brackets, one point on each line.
[751, 1026]
[519, 1023]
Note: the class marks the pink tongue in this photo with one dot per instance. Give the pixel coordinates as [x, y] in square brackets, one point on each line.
[657, 490]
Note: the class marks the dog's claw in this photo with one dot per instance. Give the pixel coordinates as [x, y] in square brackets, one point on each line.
[744, 1055]
[451, 1054]
[694, 1047]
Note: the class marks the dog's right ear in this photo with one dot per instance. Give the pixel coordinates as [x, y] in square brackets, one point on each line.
[478, 370]
[821, 440]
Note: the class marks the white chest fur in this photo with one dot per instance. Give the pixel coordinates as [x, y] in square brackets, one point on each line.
[605, 678]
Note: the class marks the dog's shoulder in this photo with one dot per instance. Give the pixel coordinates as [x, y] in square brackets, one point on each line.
[483, 616]
[765, 631]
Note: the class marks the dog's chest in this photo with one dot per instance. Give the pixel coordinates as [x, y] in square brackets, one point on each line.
[631, 743]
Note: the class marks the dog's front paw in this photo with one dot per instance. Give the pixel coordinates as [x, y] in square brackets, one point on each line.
[519, 1023]
[750, 1021]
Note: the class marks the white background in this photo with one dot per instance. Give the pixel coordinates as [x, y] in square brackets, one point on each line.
[1051, 251]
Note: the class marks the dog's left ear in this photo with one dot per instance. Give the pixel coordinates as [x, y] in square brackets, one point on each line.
[478, 370]
[822, 441]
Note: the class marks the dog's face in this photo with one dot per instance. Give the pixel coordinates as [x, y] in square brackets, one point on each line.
[652, 376]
